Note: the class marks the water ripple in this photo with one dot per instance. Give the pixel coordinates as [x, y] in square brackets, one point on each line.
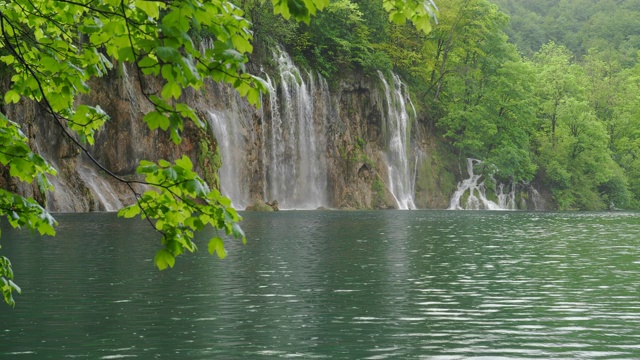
[354, 285]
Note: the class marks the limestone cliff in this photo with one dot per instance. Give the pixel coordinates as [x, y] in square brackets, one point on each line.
[358, 144]
[120, 145]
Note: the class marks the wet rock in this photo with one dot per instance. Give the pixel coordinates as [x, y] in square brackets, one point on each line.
[263, 206]
[274, 205]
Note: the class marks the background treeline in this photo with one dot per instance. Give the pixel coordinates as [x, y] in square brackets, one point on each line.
[548, 91]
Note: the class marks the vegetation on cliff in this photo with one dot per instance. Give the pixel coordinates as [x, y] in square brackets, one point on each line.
[556, 107]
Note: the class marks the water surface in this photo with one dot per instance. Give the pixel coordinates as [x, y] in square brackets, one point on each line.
[335, 285]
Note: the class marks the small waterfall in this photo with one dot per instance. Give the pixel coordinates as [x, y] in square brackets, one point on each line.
[104, 195]
[538, 203]
[397, 126]
[477, 193]
[228, 129]
[295, 169]
[127, 87]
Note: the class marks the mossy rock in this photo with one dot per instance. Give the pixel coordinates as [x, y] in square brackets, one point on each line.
[260, 206]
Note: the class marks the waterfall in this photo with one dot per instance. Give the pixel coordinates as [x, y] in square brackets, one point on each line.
[104, 196]
[397, 126]
[295, 168]
[228, 129]
[477, 193]
[537, 202]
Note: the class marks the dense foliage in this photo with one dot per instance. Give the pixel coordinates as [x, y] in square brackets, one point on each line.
[580, 25]
[566, 116]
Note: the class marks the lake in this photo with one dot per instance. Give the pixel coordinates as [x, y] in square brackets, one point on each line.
[333, 285]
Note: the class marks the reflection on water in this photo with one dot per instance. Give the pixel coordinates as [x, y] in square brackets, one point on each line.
[340, 285]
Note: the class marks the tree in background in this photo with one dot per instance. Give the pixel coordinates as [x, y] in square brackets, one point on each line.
[565, 118]
[612, 91]
[337, 38]
[558, 78]
[51, 49]
[573, 144]
[479, 88]
[579, 25]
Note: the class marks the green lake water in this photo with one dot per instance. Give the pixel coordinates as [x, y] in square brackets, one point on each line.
[333, 285]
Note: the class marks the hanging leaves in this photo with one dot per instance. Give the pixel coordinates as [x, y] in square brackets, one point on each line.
[179, 204]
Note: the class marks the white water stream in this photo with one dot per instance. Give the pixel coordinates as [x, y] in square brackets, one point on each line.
[477, 193]
[398, 129]
[228, 129]
[295, 138]
[104, 195]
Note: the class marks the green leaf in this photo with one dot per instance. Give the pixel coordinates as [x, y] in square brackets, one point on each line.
[237, 231]
[225, 201]
[160, 103]
[15, 287]
[195, 187]
[253, 96]
[170, 174]
[217, 245]
[242, 44]
[46, 229]
[188, 112]
[155, 119]
[126, 53]
[11, 97]
[232, 54]
[168, 54]
[149, 66]
[146, 167]
[174, 247]
[90, 29]
[129, 211]
[164, 259]
[8, 59]
[151, 8]
[171, 89]
[185, 163]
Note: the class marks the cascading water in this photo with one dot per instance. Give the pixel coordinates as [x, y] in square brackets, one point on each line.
[104, 195]
[295, 166]
[228, 129]
[231, 127]
[477, 193]
[397, 126]
[536, 199]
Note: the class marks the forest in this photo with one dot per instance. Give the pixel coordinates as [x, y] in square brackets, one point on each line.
[543, 92]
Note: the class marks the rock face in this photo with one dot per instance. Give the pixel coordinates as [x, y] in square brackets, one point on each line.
[80, 185]
[358, 144]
